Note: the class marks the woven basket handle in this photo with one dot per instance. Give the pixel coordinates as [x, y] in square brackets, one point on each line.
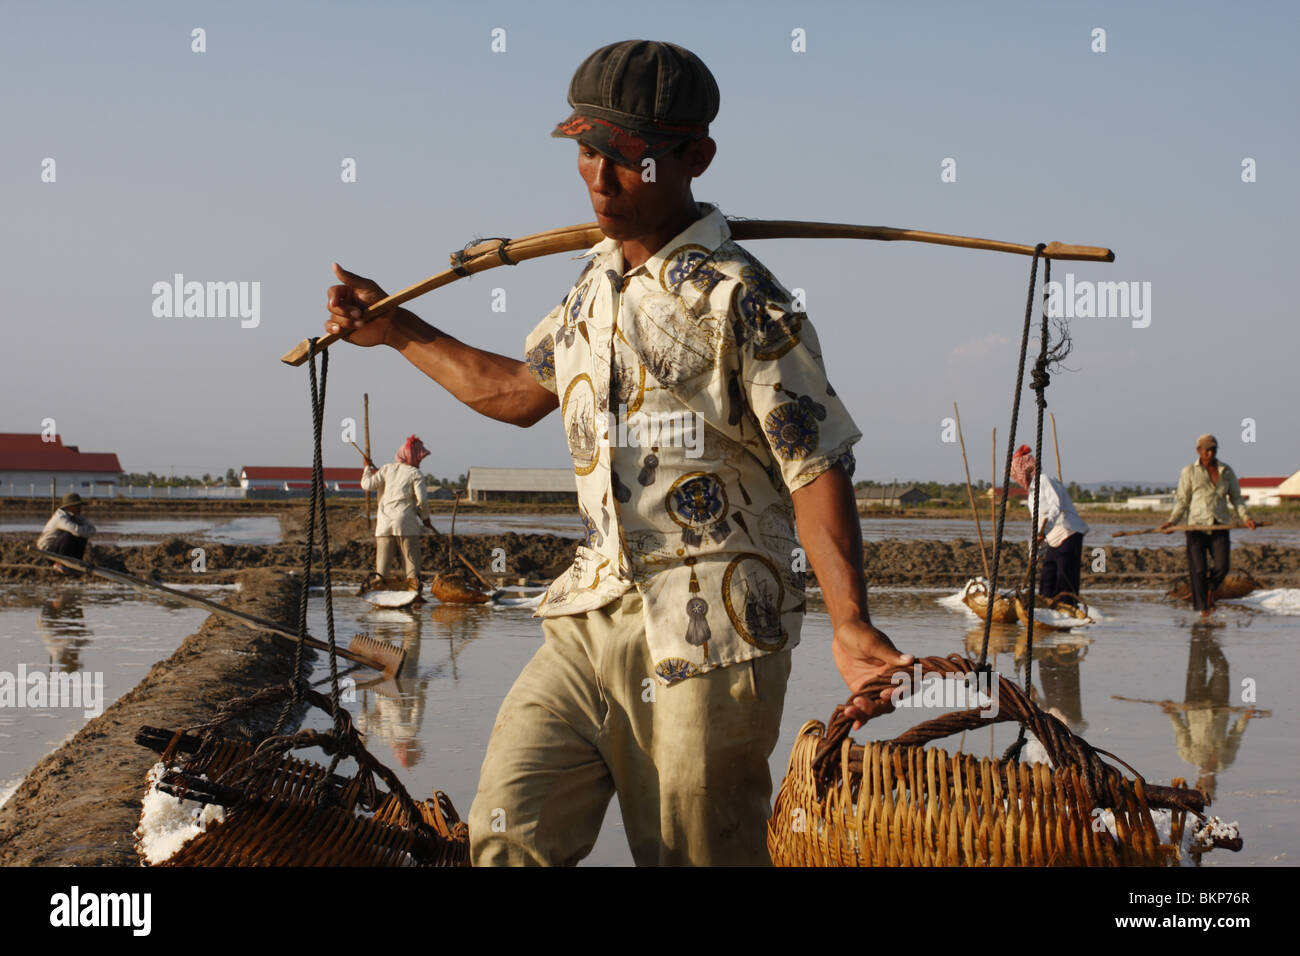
[1062, 746]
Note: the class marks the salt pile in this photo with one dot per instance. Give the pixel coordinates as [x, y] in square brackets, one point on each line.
[167, 823]
[1276, 600]
[390, 598]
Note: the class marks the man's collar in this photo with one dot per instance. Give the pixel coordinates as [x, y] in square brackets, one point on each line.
[708, 232]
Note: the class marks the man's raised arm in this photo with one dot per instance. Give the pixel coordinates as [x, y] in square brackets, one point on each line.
[494, 385]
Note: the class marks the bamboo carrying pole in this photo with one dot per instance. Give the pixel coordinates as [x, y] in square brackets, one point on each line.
[497, 252]
[1190, 527]
[970, 493]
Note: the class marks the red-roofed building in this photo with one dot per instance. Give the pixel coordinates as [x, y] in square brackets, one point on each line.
[1268, 491]
[29, 464]
[278, 478]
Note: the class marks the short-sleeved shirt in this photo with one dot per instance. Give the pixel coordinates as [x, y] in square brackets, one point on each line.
[694, 400]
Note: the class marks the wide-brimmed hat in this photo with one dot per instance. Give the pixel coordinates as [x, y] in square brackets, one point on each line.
[71, 498]
[638, 99]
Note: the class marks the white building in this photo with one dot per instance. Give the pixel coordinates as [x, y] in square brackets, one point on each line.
[1150, 503]
[522, 484]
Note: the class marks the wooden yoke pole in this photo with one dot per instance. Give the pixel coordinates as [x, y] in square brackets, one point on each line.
[498, 252]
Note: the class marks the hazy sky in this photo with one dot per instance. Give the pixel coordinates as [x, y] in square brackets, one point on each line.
[225, 166]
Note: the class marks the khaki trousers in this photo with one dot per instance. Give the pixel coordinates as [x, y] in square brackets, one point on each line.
[386, 547]
[586, 719]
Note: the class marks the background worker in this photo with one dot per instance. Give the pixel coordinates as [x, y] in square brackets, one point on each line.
[1059, 526]
[403, 509]
[67, 532]
[1208, 494]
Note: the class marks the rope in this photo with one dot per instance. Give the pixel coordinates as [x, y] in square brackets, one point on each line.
[316, 508]
[1038, 382]
[983, 664]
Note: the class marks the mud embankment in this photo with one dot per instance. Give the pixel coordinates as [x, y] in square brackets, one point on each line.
[79, 806]
[541, 557]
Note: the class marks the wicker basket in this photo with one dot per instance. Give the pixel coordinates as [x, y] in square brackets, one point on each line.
[1236, 584]
[282, 811]
[976, 597]
[898, 803]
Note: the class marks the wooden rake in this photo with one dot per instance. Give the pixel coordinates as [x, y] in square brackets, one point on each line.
[368, 651]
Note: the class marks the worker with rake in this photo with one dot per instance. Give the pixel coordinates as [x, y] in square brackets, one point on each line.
[403, 509]
[663, 673]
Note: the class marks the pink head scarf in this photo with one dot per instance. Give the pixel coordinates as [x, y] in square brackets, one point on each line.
[412, 452]
[1023, 466]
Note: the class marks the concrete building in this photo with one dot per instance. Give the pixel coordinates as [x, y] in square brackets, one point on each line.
[522, 484]
[890, 495]
[264, 479]
[30, 465]
[1149, 503]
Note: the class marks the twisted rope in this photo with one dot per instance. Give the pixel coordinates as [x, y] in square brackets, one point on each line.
[1006, 471]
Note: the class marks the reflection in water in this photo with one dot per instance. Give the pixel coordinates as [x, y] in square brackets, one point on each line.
[61, 624]
[1201, 722]
[392, 709]
[1056, 658]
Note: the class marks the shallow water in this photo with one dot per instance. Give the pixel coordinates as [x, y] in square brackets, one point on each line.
[433, 721]
[259, 529]
[81, 630]
[1186, 716]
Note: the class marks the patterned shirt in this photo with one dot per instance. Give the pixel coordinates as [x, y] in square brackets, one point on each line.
[1203, 501]
[694, 400]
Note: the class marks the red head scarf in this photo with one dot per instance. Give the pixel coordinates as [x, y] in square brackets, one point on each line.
[1023, 466]
[412, 452]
